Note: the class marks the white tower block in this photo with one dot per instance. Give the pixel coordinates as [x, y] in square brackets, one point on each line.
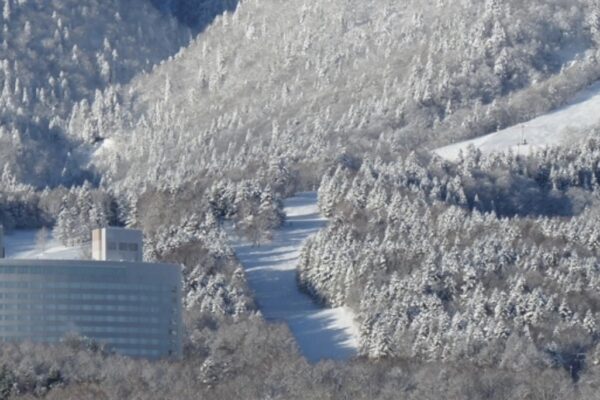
[117, 244]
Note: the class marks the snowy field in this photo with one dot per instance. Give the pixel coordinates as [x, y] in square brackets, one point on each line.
[23, 244]
[566, 124]
[271, 271]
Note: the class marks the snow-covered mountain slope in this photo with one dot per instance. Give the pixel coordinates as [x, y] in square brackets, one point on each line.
[69, 48]
[568, 124]
[56, 53]
[306, 80]
[271, 272]
[23, 244]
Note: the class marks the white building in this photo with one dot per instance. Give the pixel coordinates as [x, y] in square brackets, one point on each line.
[117, 244]
[132, 307]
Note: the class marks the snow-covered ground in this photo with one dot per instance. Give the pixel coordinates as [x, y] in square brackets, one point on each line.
[271, 270]
[107, 145]
[22, 244]
[567, 124]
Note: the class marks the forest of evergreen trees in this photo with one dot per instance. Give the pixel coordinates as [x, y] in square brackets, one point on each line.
[493, 259]
[474, 279]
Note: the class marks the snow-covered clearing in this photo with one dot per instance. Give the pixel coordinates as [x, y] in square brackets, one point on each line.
[23, 244]
[271, 270]
[566, 124]
[107, 145]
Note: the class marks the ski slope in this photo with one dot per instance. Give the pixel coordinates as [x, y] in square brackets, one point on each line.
[22, 244]
[567, 124]
[271, 271]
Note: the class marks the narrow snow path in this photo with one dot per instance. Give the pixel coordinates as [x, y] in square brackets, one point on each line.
[271, 270]
[567, 124]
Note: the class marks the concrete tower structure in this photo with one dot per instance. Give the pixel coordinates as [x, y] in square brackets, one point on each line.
[2, 251]
[117, 244]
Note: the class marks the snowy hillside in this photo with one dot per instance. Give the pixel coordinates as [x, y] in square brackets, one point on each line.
[304, 81]
[271, 271]
[568, 124]
[24, 244]
[56, 53]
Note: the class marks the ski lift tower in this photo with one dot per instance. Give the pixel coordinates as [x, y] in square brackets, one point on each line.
[523, 139]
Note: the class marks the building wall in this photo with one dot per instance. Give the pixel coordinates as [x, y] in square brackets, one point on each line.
[117, 244]
[2, 250]
[132, 308]
[98, 246]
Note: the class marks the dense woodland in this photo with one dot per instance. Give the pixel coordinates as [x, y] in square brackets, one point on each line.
[493, 259]
[293, 87]
[185, 117]
[54, 54]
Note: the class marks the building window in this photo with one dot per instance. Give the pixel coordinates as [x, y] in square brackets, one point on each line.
[112, 246]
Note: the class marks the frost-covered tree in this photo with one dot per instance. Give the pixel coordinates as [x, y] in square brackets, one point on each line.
[452, 261]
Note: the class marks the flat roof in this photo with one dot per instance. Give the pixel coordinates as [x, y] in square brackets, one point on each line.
[82, 263]
[119, 228]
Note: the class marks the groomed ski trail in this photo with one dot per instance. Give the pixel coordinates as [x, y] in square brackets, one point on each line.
[321, 333]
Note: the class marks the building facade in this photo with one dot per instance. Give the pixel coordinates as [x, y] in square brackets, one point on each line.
[132, 308]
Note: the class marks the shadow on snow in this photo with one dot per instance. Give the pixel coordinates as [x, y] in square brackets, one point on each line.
[272, 275]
